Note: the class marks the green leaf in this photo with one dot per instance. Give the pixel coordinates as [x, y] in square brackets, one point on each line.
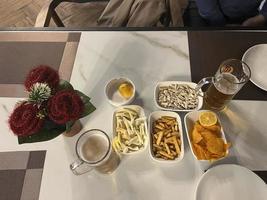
[69, 125]
[50, 131]
[88, 109]
[64, 85]
[88, 106]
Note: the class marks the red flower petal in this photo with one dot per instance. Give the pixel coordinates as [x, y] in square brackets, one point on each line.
[65, 106]
[24, 121]
[42, 74]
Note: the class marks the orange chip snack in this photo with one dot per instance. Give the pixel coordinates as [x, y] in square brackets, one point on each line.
[196, 136]
[208, 135]
[207, 142]
[214, 128]
[208, 155]
[216, 146]
[199, 127]
[199, 152]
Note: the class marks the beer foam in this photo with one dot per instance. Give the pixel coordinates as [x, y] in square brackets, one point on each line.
[227, 84]
[94, 148]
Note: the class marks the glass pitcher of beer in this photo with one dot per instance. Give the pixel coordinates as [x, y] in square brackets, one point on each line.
[94, 151]
[231, 76]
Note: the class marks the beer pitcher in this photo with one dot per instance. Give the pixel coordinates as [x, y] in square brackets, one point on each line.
[231, 76]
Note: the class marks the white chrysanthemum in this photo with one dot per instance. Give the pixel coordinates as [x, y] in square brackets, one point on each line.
[39, 92]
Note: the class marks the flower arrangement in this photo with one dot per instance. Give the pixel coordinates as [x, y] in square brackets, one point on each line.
[52, 107]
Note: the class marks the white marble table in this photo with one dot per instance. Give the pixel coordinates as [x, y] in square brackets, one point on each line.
[146, 58]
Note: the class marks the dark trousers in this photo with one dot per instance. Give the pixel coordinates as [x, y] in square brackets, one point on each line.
[192, 18]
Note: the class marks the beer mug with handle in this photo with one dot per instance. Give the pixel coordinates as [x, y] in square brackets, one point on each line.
[94, 151]
[231, 76]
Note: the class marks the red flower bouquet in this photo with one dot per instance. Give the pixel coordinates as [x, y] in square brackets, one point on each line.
[53, 106]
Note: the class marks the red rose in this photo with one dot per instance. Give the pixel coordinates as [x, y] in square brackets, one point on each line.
[24, 120]
[42, 74]
[65, 106]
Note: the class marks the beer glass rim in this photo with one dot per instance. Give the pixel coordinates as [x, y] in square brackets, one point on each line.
[243, 64]
[106, 154]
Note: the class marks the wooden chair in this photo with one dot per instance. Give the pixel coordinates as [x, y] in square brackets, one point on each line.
[48, 12]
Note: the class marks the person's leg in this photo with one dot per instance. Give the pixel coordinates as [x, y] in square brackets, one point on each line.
[191, 16]
[110, 11]
[146, 13]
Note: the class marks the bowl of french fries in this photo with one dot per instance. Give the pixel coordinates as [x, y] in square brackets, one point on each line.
[166, 136]
[130, 133]
[206, 137]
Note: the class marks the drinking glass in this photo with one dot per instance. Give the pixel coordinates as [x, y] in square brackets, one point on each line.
[94, 151]
[231, 76]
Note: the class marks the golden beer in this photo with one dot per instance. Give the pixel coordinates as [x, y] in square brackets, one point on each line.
[231, 76]
[222, 91]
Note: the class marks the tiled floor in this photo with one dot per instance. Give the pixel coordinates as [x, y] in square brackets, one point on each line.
[23, 13]
[21, 174]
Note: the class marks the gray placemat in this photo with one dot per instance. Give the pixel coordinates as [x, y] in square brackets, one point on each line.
[21, 174]
[21, 51]
[18, 58]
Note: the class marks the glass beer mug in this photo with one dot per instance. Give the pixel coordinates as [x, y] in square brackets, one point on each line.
[94, 151]
[231, 76]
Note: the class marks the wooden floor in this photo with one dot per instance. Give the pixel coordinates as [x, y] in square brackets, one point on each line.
[22, 13]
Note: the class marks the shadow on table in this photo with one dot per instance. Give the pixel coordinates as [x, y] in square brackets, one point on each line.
[138, 100]
[247, 140]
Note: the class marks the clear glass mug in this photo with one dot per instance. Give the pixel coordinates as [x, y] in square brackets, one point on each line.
[231, 76]
[94, 151]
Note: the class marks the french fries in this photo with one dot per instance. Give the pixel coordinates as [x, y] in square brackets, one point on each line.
[166, 143]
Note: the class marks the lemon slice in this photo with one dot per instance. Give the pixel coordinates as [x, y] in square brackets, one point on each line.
[126, 90]
[207, 118]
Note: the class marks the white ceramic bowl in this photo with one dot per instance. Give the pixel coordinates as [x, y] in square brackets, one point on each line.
[168, 83]
[113, 95]
[189, 120]
[141, 113]
[155, 116]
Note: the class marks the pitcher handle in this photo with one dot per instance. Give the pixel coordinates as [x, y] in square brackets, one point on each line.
[76, 167]
[201, 83]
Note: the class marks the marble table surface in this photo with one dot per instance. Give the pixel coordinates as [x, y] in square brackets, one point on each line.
[145, 58]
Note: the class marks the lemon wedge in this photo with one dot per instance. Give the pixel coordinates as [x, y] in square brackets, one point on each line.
[207, 118]
[126, 90]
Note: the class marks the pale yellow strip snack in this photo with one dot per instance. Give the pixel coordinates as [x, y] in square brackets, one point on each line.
[130, 130]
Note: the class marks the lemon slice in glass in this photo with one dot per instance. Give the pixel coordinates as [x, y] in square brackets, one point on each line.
[207, 118]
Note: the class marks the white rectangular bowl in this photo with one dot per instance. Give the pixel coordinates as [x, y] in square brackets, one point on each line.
[155, 116]
[141, 113]
[168, 83]
[189, 120]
